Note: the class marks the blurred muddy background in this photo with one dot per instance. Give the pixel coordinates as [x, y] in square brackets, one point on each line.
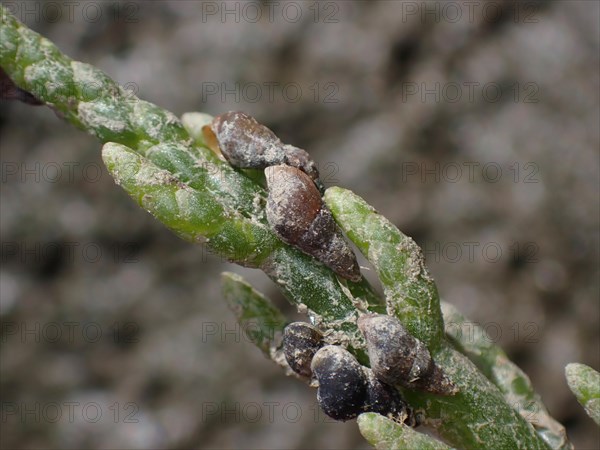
[472, 126]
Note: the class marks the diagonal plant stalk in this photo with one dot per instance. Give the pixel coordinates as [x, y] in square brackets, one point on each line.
[165, 167]
[149, 147]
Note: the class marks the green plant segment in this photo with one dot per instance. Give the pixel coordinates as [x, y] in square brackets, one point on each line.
[412, 296]
[385, 434]
[585, 384]
[259, 318]
[152, 156]
[514, 384]
[410, 292]
[165, 167]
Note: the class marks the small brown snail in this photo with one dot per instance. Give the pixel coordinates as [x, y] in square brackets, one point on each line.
[398, 358]
[299, 217]
[247, 144]
[295, 209]
[300, 343]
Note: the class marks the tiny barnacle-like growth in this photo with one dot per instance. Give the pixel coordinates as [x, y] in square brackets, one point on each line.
[299, 217]
[398, 358]
[247, 144]
[342, 383]
[300, 343]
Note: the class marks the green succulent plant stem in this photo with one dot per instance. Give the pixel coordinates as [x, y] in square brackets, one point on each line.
[151, 154]
[185, 185]
[411, 294]
[472, 340]
[478, 414]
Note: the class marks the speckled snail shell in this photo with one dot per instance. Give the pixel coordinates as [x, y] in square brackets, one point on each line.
[347, 389]
[300, 343]
[299, 217]
[295, 209]
[398, 358]
[342, 383]
[247, 144]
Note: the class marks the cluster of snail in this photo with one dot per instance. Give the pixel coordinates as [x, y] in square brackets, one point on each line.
[346, 388]
[295, 209]
[297, 214]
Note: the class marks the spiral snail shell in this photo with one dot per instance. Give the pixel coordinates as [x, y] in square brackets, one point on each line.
[342, 383]
[347, 389]
[299, 217]
[295, 209]
[247, 144]
[399, 358]
[300, 343]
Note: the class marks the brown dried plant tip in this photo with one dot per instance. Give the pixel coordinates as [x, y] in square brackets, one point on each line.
[300, 343]
[247, 144]
[299, 217]
[397, 358]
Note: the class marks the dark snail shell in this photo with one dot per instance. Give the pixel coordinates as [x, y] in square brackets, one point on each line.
[342, 383]
[300, 343]
[399, 358]
[386, 400]
[299, 217]
[247, 144]
[347, 389]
